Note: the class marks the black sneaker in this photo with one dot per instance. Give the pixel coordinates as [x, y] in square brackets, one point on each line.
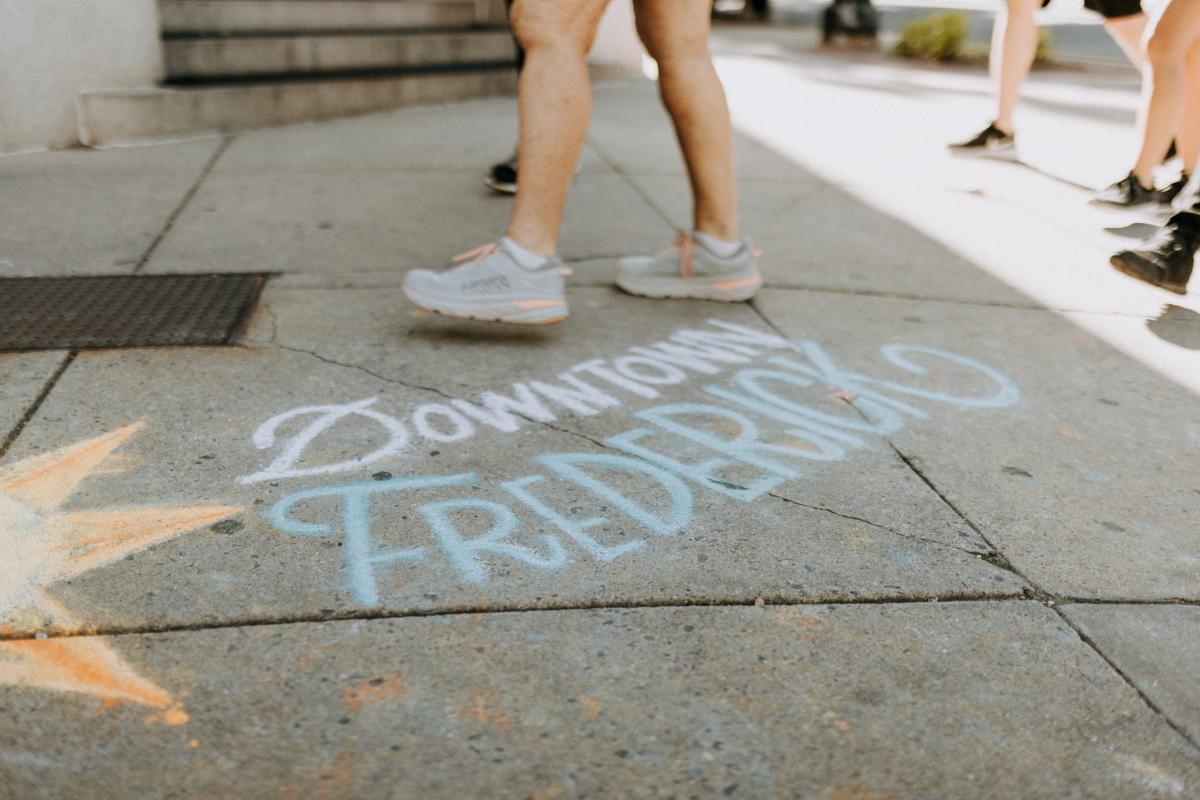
[991, 142]
[1180, 194]
[1165, 259]
[1128, 192]
[503, 176]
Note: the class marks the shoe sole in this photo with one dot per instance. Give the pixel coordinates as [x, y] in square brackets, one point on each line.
[1095, 201]
[497, 186]
[729, 289]
[996, 155]
[1130, 266]
[531, 311]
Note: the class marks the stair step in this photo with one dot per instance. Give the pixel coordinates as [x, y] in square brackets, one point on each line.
[125, 116]
[192, 59]
[231, 17]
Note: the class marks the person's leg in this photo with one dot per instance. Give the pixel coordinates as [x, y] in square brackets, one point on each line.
[1127, 32]
[675, 33]
[712, 263]
[1014, 44]
[517, 280]
[1189, 126]
[1170, 39]
[555, 103]
[502, 177]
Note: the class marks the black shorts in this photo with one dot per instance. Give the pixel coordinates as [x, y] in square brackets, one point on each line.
[1110, 9]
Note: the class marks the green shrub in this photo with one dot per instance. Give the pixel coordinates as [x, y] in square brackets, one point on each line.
[937, 37]
[1045, 46]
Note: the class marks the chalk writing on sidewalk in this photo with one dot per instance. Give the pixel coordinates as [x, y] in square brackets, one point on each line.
[764, 422]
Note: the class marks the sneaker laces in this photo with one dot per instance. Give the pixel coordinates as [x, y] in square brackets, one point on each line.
[686, 245]
[477, 254]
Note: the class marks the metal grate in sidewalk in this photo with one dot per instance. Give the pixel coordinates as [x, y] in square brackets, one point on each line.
[125, 310]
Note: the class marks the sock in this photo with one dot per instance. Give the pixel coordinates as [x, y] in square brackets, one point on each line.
[718, 247]
[524, 258]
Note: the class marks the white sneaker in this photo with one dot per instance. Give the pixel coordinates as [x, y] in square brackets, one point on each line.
[689, 269]
[493, 287]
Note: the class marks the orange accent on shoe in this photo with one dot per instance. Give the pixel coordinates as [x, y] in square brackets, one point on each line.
[532, 304]
[725, 286]
[551, 321]
[476, 255]
[684, 244]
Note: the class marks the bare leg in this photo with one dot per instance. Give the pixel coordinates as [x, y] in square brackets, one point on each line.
[1014, 44]
[675, 33]
[1170, 40]
[1189, 127]
[555, 104]
[1128, 32]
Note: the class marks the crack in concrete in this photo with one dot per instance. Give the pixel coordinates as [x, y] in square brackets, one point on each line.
[979, 553]
[187, 198]
[8, 441]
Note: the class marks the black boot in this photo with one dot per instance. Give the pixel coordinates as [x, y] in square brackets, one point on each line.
[1166, 258]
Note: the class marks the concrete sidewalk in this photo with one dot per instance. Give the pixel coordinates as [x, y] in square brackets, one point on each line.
[918, 522]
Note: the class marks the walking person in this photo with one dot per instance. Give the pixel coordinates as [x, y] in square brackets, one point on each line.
[519, 279]
[1168, 257]
[502, 177]
[1171, 111]
[1014, 46]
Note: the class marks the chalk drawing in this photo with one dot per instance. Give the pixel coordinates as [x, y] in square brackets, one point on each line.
[40, 544]
[663, 363]
[827, 411]
[284, 465]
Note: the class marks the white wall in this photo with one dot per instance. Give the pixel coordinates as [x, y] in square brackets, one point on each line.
[50, 49]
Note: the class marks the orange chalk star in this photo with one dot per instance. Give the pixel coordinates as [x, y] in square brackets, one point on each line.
[41, 545]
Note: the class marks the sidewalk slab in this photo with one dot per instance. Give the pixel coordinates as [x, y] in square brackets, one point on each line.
[466, 137]
[1157, 647]
[732, 702]
[77, 213]
[23, 376]
[292, 222]
[1088, 484]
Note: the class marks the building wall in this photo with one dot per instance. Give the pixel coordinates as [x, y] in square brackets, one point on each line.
[50, 49]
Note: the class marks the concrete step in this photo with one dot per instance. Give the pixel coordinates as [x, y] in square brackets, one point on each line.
[233, 17]
[126, 116]
[192, 59]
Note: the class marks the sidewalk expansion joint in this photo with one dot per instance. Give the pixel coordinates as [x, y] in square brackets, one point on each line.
[835, 599]
[649, 201]
[8, 441]
[187, 198]
[1051, 601]
[1083, 637]
[918, 298]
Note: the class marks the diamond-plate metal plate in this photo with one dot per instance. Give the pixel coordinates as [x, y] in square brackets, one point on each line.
[125, 310]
